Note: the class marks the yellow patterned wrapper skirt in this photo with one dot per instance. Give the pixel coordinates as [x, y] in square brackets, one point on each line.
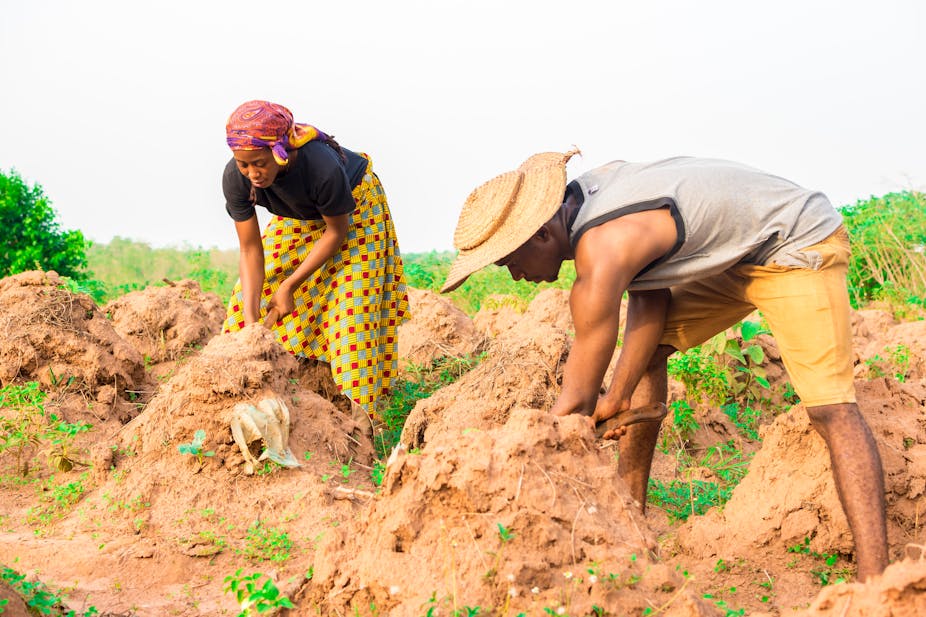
[349, 311]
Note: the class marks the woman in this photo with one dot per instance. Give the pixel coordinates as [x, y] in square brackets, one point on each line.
[327, 272]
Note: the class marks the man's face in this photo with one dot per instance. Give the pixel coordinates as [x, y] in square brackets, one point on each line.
[536, 260]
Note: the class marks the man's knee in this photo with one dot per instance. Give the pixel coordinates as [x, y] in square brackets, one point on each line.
[828, 418]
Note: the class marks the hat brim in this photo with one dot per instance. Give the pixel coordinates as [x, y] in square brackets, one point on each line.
[539, 196]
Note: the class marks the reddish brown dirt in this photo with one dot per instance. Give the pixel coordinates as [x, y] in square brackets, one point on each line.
[167, 323]
[438, 329]
[491, 502]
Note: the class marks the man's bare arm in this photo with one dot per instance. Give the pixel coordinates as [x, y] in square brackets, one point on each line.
[646, 318]
[607, 259]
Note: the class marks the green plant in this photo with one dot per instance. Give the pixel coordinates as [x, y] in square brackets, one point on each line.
[887, 235]
[699, 370]
[253, 597]
[747, 378]
[30, 237]
[406, 393]
[39, 597]
[827, 573]
[195, 447]
[378, 473]
[24, 424]
[681, 429]
[266, 543]
[505, 535]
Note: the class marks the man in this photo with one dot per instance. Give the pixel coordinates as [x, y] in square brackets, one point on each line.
[698, 244]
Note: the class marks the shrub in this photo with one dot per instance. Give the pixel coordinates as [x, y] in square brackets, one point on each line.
[30, 238]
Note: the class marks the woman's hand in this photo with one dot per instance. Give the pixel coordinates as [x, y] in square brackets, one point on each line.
[282, 301]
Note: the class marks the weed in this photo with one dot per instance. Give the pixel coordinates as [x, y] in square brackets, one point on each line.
[378, 473]
[704, 378]
[39, 597]
[253, 597]
[346, 470]
[681, 429]
[406, 393]
[827, 573]
[266, 543]
[27, 426]
[58, 499]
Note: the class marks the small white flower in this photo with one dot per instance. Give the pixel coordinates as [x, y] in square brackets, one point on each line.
[561, 610]
[535, 589]
[394, 590]
[512, 592]
[592, 579]
[568, 575]
[510, 578]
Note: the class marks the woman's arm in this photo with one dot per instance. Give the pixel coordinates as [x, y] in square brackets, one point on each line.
[250, 267]
[327, 246]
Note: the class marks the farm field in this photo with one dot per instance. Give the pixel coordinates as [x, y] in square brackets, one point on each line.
[125, 493]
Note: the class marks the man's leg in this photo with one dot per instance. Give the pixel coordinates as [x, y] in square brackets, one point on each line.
[638, 444]
[809, 314]
[859, 480]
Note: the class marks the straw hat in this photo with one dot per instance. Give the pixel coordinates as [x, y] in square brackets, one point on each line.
[502, 214]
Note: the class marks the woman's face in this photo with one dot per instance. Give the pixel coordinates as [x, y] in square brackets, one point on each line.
[258, 166]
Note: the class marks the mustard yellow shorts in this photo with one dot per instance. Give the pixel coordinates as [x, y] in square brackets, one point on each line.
[806, 308]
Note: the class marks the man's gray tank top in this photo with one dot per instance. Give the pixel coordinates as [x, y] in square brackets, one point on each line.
[726, 213]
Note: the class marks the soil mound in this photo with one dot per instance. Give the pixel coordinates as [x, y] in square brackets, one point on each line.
[792, 473]
[169, 322]
[523, 367]
[437, 328]
[497, 314]
[63, 341]
[526, 517]
[900, 591]
[550, 307]
[246, 366]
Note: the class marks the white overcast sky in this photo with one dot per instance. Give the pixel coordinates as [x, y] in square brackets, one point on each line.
[118, 109]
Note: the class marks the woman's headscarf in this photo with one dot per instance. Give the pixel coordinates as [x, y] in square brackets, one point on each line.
[261, 124]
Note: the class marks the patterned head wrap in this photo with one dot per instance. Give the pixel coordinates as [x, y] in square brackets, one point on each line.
[261, 124]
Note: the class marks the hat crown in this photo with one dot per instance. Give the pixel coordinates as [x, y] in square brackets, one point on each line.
[485, 210]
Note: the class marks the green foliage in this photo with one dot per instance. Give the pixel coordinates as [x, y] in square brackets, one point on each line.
[702, 374]
[24, 425]
[888, 236]
[267, 543]
[681, 498]
[681, 429]
[406, 393]
[39, 597]
[253, 597]
[57, 500]
[826, 573]
[30, 237]
[124, 265]
[429, 271]
[897, 363]
[747, 378]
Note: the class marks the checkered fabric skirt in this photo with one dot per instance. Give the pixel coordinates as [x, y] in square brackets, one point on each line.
[348, 313]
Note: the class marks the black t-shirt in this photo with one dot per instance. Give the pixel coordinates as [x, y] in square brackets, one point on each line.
[318, 182]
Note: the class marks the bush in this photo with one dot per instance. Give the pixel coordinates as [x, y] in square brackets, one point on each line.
[30, 238]
[888, 236]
